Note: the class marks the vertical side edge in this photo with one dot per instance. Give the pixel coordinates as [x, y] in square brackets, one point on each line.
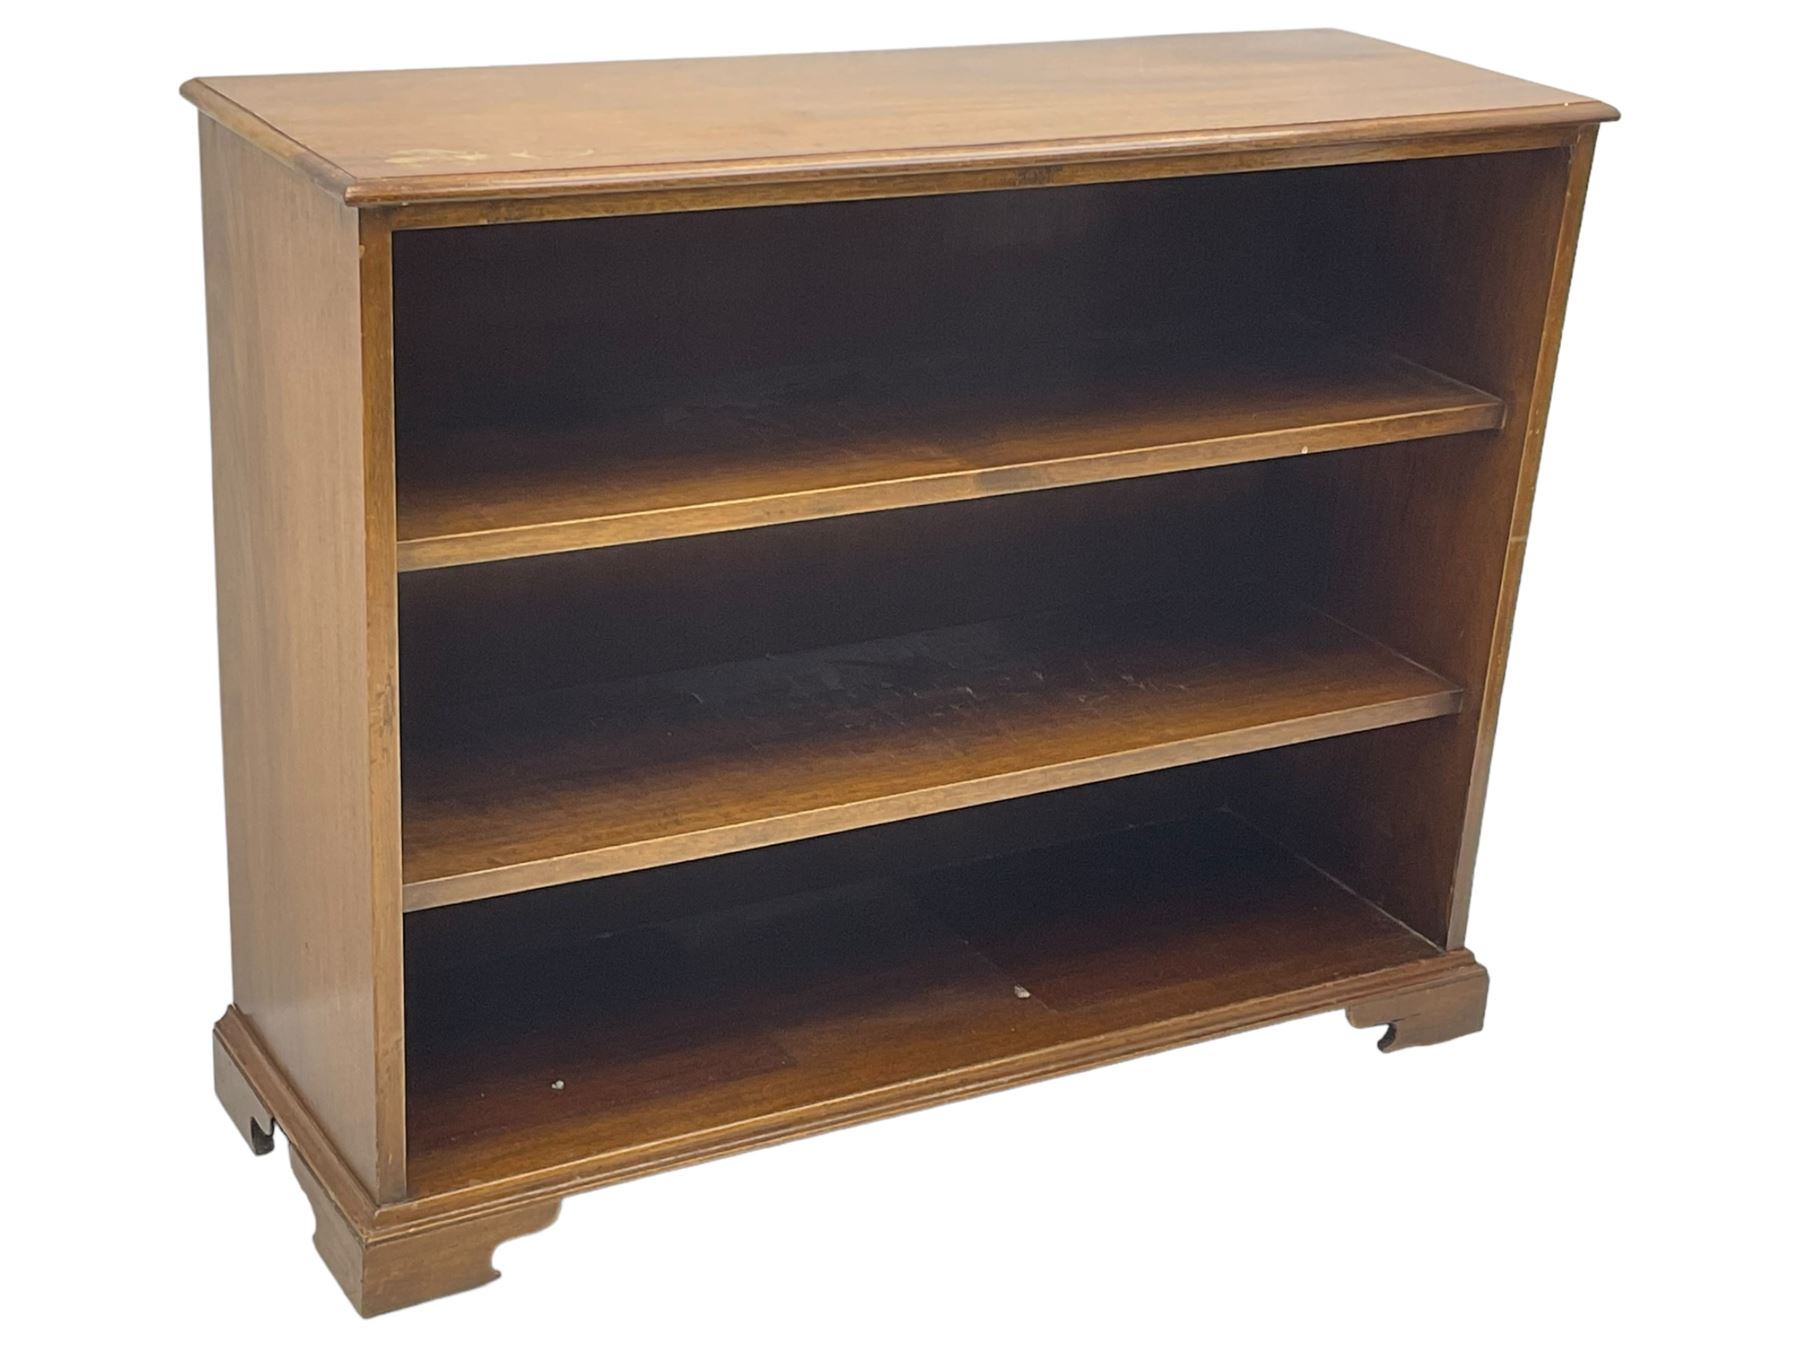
[1536, 414]
[1463, 265]
[381, 535]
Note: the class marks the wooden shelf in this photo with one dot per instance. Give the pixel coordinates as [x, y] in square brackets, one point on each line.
[708, 1033]
[510, 794]
[802, 443]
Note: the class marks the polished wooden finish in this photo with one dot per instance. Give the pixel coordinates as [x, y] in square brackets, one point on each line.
[834, 439]
[1224, 158]
[383, 1258]
[385, 1269]
[247, 1110]
[1426, 1014]
[388, 137]
[304, 538]
[507, 795]
[761, 594]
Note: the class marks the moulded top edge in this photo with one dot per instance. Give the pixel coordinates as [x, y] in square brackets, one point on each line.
[511, 132]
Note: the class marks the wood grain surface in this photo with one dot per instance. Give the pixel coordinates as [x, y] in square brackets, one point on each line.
[552, 787]
[307, 647]
[767, 447]
[530, 131]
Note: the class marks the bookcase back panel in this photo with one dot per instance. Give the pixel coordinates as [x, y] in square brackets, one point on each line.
[553, 322]
[574, 618]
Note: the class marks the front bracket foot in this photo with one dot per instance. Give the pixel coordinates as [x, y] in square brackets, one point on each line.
[387, 1269]
[1437, 1012]
[252, 1118]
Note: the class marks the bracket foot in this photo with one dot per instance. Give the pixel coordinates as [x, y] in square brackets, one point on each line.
[252, 1118]
[1438, 1012]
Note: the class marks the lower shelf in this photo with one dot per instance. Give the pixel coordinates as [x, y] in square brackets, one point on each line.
[502, 795]
[643, 1048]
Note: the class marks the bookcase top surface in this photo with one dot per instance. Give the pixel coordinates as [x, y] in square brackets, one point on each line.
[505, 132]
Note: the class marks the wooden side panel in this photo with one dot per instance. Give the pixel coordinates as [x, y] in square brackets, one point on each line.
[303, 509]
[1466, 264]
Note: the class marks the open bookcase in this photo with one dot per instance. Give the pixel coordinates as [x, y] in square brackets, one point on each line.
[791, 613]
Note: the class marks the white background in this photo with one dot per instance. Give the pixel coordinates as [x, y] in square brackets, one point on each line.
[1611, 1160]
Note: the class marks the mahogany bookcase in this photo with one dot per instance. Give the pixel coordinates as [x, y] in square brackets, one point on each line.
[756, 594]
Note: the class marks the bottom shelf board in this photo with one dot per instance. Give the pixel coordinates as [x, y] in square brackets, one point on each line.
[643, 1048]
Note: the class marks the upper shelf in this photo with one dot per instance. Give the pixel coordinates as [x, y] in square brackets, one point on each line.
[510, 132]
[798, 444]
